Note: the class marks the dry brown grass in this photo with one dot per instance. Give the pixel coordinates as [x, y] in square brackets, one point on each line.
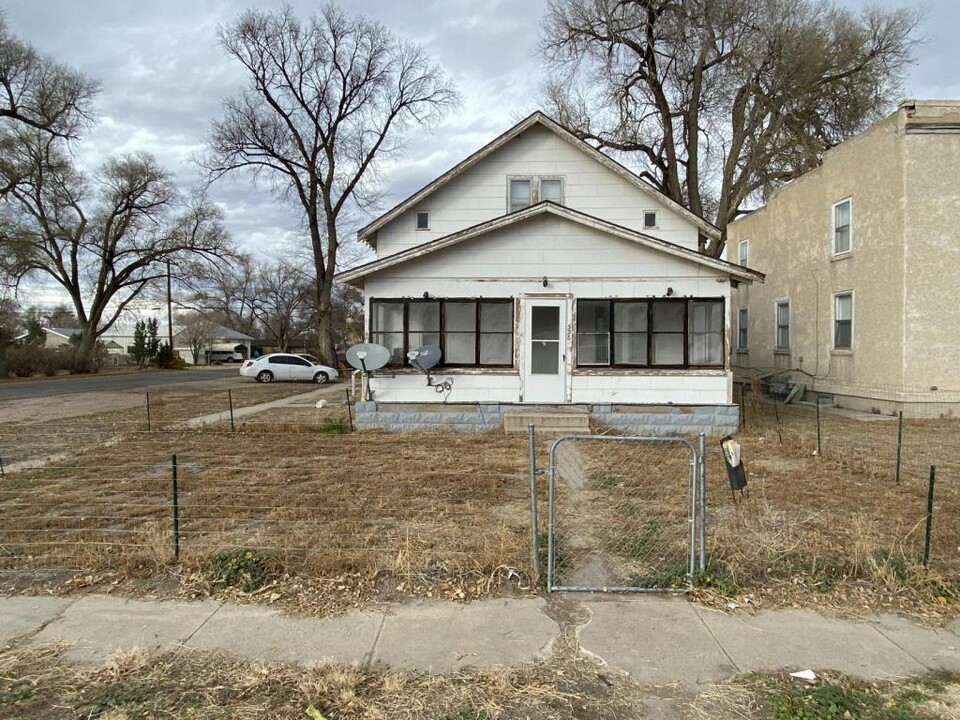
[333, 520]
[835, 530]
[35, 683]
[426, 513]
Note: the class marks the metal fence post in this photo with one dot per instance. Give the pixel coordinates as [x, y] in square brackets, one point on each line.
[776, 412]
[703, 502]
[346, 394]
[534, 525]
[818, 427]
[551, 501]
[926, 542]
[230, 400]
[148, 412]
[899, 447]
[176, 510]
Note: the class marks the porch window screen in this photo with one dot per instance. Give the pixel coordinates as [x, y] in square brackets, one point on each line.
[706, 332]
[593, 332]
[468, 332]
[387, 328]
[630, 324]
[651, 333]
[667, 330]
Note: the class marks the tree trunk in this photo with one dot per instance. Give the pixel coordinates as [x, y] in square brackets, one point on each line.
[83, 356]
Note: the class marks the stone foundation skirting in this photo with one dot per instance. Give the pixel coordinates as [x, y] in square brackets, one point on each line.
[648, 420]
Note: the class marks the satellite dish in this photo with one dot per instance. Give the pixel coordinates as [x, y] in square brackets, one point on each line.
[425, 357]
[368, 356]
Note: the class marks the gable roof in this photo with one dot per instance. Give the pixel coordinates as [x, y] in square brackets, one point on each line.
[741, 273]
[537, 118]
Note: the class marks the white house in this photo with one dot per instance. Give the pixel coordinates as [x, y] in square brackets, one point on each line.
[549, 275]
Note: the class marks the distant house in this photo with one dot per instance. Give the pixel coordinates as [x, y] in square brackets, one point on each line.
[862, 257]
[53, 338]
[223, 345]
[549, 276]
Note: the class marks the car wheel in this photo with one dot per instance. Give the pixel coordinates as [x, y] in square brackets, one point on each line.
[264, 376]
[320, 378]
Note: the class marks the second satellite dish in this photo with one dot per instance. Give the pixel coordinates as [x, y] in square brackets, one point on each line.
[425, 357]
[368, 356]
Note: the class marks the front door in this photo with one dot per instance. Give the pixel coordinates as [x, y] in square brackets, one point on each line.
[544, 351]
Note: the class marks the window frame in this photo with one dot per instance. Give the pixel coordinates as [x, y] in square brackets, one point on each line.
[656, 220]
[743, 328]
[425, 214]
[777, 347]
[834, 227]
[743, 252]
[651, 332]
[442, 332]
[836, 298]
[535, 193]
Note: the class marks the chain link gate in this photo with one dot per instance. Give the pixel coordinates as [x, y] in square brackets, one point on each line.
[625, 514]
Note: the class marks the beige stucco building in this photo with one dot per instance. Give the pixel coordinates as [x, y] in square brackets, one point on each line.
[862, 258]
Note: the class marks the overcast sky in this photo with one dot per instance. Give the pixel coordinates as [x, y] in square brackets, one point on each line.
[164, 78]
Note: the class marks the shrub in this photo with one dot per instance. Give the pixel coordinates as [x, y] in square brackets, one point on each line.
[28, 359]
[239, 568]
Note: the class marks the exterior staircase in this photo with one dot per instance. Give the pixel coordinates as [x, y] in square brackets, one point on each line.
[547, 422]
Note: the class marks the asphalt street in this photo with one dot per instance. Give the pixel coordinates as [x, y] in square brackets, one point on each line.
[20, 389]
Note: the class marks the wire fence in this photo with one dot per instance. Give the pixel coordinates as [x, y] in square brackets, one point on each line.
[254, 503]
[86, 483]
[840, 496]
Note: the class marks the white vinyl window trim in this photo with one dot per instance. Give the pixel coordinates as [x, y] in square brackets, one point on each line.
[743, 253]
[841, 227]
[843, 320]
[781, 322]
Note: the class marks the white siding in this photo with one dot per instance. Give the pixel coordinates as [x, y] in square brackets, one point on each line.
[573, 258]
[578, 262]
[480, 194]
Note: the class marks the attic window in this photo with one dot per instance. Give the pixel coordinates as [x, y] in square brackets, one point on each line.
[526, 191]
[423, 220]
[519, 194]
[650, 219]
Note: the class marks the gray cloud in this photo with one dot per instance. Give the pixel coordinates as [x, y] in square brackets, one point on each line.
[164, 79]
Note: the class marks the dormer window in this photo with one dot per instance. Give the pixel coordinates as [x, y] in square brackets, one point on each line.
[526, 191]
[423, 220]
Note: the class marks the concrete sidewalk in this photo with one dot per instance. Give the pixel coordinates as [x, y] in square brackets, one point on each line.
[656, 640]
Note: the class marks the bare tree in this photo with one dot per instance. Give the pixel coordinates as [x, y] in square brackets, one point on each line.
[39, 94]
[225, 290]
[103, 240]
[283, 301]
[327, 99]
[197, 332]
[722, 99]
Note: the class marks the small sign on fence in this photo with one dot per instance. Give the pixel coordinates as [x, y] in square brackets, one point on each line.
[734, 461]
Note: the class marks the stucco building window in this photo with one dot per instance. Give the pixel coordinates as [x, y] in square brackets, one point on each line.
[783, 325]
[842, 226]
[843, 321]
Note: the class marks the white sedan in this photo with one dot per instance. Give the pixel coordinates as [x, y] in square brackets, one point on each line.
[284, 366]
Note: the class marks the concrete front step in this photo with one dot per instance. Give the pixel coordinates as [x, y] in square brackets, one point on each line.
[547, 423]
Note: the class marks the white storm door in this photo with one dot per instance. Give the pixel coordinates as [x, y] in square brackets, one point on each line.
[544, 351]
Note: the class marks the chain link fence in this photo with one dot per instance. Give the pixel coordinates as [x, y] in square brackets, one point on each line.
[622, 514]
